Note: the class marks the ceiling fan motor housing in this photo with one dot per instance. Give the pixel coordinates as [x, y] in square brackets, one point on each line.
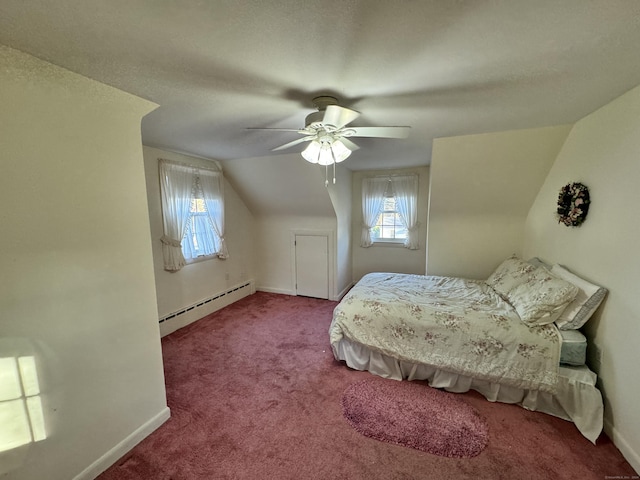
[314, 118]
[321, 103]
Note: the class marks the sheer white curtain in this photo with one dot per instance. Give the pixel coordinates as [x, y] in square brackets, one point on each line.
[176, 186]
[212, 184]
[405, 189]
[206, 241]
[372, 198]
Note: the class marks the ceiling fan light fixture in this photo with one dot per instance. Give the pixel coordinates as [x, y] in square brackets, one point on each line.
[325, 156]
[312, 152]
[340, 151]
[326, 153]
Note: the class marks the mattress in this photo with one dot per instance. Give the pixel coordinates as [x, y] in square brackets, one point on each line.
[456, 324]
[573, 350]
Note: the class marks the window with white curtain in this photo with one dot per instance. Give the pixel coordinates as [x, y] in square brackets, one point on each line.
[193, 214]
[389, 210]
[389, 225]
[200, 240]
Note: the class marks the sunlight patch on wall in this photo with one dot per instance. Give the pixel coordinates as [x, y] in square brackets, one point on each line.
[21, 414]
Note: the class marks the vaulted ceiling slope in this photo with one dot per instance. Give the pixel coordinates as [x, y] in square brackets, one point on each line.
[445, 68]
[280, 185]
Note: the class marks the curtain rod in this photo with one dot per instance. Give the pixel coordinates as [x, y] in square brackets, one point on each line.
[394, 175]
[190, 165]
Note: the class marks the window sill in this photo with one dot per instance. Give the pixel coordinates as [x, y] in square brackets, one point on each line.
[202, 258]
[388, 243]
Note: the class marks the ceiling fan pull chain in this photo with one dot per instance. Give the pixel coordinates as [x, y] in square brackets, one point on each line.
[326, 176]
[333, 157]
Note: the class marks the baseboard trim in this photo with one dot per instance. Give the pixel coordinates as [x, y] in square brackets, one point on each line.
[275, 290]
[344, 292]
[113, 455]
[619, 441]
[171, 322]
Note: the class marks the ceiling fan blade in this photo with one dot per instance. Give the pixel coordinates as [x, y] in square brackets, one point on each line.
[382, 132]
[291, 144]
[275, 129]
[338, 116]
[349, 144]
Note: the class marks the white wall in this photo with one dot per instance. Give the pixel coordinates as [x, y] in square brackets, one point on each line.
[274, 249]
[388, 257]
[200, 280]
[77, 287]
[482, 187]
[603, 152]
[286, 194]
[280, 185]
[341, 198]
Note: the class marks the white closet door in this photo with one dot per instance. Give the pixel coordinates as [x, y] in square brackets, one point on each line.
[312, 266]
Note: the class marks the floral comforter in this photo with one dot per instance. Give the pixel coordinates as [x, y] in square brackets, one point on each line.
[457, 325]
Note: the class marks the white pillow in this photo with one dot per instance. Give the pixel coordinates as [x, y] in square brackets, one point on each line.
[542, 298]
[536, 262]
[509, 274]
[587, 300]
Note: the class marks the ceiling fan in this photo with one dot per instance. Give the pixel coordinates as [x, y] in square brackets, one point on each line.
[328, 132]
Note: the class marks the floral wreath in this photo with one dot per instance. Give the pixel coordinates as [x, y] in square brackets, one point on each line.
[573, 204]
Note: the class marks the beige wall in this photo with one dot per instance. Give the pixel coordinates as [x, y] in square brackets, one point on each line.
[482, 187]
[603, 152]
[200, 280]
[77, 288]
[388, 257]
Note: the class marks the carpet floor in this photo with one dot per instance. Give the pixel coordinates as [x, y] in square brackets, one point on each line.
[255, 393]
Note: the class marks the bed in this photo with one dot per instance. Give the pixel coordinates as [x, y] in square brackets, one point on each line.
[500, 337]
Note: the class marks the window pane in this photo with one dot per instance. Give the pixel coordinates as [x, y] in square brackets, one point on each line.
[200, 239]
[388, 219]
[389, 204]
[389, 224]
[198, 206]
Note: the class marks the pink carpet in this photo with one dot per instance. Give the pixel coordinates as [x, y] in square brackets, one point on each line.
[414, 415]
[255, 393]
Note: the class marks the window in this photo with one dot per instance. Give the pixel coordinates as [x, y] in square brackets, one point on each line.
[390, 210]
[193, 213]
[389, 225]
[200, 238]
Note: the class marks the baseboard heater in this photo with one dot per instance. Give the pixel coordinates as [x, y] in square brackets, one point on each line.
[203, 302]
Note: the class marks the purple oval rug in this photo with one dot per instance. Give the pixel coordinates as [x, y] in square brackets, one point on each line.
[415, 415]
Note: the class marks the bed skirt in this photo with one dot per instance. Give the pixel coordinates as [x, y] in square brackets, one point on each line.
[577, 399]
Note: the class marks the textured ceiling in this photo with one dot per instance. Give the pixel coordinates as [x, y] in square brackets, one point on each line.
[442, 67]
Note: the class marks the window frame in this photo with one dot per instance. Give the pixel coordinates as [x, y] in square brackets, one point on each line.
[395, 241]
[196, 196]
